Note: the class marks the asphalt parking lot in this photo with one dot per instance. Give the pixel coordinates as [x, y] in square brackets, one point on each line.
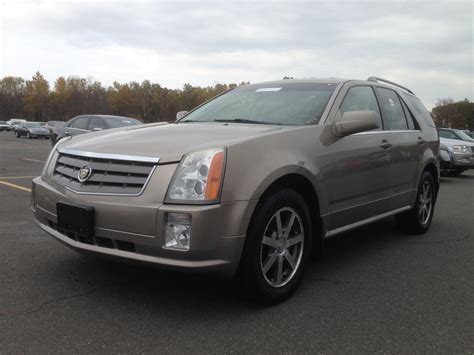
[376, 289]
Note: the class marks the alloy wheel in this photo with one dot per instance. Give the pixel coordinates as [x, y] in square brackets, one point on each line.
[282, 247]
[426, 203]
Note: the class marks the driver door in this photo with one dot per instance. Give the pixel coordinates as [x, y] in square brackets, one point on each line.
[358, 167]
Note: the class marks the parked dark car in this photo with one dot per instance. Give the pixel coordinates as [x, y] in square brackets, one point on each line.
[31, 130]
[5, 126]
[90, 123]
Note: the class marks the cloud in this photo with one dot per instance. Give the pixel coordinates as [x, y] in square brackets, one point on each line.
[426, 46]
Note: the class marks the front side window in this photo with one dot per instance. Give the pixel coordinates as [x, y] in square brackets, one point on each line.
[80, 123]
[279, 103]
[360, 98]
[96, 123]
[393, 115]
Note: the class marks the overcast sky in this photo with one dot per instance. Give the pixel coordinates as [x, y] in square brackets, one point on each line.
[425, 45]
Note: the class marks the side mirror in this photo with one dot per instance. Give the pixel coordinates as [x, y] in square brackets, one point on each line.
[181, 114]
[355, 122]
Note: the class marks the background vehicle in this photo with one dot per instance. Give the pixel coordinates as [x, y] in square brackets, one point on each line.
[89, 123]
[4, 126]
[462, 154]
[14, 122]
[249, 183]
[456, 134]
[31, 130]
[469, 133]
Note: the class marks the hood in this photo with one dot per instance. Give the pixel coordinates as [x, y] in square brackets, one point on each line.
[451, 142]
[169, 142]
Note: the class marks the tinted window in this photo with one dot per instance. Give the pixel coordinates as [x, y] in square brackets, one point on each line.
[96, 122]
[420, 111]
[80, 123]
[410, 119]
[114, 122]
[278, 103]
[393, 115]
[360, 98]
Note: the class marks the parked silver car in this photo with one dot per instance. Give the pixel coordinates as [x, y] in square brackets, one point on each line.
[462, 154]
[247, 184]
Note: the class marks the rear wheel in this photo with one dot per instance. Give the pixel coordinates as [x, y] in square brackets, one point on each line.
[419, 218]
[277, 248]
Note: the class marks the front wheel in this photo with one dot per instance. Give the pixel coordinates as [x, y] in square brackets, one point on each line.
[277, 248]
[17, 135]
[418, 219]
[28, 135]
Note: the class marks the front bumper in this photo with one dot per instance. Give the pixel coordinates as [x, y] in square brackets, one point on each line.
[135, 231]
[463, 160]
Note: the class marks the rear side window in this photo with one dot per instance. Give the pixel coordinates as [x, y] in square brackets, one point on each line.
[419, 110]
[360, 98]
[97, 123]
[412, 124]
[393, 115]
[80, 123]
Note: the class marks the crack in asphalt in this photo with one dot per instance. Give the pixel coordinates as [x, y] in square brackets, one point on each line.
[44, 305]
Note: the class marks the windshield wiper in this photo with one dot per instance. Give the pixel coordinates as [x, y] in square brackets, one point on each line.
[244, 120]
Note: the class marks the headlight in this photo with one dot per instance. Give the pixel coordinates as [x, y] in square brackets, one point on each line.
[198, 178]
[459, 148]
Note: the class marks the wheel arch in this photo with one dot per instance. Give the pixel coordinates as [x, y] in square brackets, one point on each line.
[308, 191]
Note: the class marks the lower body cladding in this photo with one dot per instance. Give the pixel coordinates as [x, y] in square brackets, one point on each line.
[180, 237]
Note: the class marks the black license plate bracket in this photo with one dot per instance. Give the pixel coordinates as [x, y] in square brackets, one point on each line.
[75, 218]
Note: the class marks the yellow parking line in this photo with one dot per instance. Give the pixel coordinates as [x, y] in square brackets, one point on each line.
[16, 177]
[15, 186]
[36, 161]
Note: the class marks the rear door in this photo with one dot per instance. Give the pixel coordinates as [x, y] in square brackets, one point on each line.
[357, 167]
[407, 147]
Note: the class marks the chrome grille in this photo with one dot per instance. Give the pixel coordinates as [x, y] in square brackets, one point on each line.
[111, 174]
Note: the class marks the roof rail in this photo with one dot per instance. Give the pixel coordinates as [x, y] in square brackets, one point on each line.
[376, 78]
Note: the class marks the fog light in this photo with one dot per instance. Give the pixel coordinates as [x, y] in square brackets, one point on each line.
[178, 231]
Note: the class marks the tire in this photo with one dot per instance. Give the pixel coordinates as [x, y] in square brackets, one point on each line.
[271, 268]
[28, 135]
[418, 219]
[17, 135]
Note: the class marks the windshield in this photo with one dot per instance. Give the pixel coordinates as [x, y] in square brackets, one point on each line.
[280, 103]
[463, 135]
[33, 124]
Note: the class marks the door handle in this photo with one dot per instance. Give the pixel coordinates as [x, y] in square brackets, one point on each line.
[67, 133]
[421, 141]
[385, 144]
